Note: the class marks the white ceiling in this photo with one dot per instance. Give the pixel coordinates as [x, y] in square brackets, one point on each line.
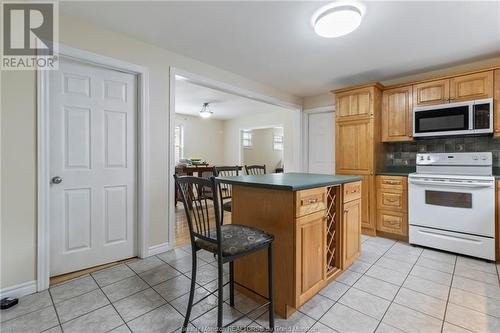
[190, 97]
[273, 42]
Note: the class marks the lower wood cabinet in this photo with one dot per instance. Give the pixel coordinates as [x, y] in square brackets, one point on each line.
[392, 205]
[311, 255]
[352, 232]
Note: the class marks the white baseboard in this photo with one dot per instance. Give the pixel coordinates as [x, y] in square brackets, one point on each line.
[160, 248]
[19, 290]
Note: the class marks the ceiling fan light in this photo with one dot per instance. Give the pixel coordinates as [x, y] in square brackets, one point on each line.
[337, 19]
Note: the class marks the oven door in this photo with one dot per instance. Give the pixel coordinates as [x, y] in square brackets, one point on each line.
[447, 119]
[451, 204]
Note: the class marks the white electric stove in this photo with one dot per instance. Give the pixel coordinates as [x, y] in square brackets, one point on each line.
[452, 203]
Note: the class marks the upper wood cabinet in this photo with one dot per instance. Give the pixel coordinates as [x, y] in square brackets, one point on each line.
[354, 103]
[433, 92]
[352, 232]
[496, 103]
[397, 114]
[472, 86]
[458, 88]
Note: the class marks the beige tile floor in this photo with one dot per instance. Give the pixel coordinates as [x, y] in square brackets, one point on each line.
[393, 287]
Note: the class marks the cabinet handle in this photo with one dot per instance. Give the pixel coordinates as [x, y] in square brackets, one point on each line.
[346, 210]
[311, 201]
[392, 200]
[452, 98]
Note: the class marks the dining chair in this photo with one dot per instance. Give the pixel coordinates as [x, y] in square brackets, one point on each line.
[255, 169]
[225, 189]
[227, 242]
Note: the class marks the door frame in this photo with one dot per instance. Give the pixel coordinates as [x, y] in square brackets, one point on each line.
[231, 89]
[43, 157]
[240, 146]
[305, 131]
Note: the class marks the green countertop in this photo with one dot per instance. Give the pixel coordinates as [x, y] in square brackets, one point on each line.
[289, 181]
[397, 171]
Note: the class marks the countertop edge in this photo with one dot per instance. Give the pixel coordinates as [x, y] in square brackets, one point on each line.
[295, 188]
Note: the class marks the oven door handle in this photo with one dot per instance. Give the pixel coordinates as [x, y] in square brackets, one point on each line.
[447, 184]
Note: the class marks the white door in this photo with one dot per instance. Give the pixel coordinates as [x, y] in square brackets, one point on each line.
[93, 151]
[321, 143]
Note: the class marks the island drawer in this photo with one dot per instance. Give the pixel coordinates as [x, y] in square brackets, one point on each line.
[392, 182]
[310, 201]
[352, 191]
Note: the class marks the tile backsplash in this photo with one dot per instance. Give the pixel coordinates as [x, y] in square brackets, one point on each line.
[404, 153]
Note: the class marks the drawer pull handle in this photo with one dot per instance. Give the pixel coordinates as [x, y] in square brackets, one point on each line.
[312, 201]
[390, 182]
[392, 200]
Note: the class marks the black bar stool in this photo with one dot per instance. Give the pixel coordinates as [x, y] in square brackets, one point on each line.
[227, 242]
[224, 188]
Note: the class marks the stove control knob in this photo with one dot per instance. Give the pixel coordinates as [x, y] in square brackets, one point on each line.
[428, 158]
[421, 158]
[475, 158]
[483, 158]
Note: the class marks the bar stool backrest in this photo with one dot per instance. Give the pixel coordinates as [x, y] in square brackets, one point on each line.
[202, 213]
[225, 171]
[255, 169]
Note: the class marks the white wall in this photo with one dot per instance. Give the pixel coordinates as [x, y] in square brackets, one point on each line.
[279, 118]
[18, 138]
[203, 138]
[262, 151]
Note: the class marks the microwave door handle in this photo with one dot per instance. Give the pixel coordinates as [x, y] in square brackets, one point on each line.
[472, 117]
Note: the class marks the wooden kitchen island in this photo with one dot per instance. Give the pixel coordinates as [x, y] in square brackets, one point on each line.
[316, 221]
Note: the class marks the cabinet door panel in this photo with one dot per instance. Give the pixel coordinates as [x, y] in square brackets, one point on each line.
[354, 103]
[397, 114]
[354, 146]
[434, 92]
[351, 232]
[472, 86]
[311, 254]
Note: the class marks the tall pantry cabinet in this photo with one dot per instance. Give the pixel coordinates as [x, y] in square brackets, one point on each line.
[358, 114]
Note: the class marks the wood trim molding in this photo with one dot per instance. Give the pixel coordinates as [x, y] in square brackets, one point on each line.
[407, 83]
[43, 166]
[361, 86]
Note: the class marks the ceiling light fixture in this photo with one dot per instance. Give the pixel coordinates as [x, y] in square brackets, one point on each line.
[205, 111]
[337, 18]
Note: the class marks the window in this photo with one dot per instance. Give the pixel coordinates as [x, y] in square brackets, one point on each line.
[179, 143]
[246, 139]
[277, 142]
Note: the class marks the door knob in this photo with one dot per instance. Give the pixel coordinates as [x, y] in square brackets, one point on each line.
[57, 180]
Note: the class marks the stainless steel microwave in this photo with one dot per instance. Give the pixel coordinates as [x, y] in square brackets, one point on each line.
[462, 118]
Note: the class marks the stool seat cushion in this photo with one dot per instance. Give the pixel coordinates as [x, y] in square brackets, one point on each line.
[227, 206]
[236, 239]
